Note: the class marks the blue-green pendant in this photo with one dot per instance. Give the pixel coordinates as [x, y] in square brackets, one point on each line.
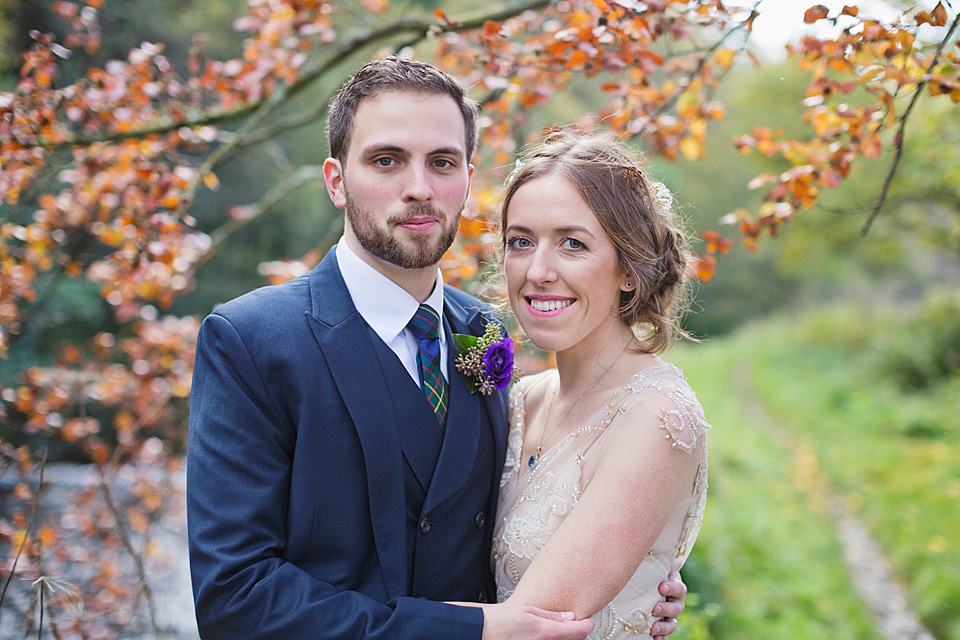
[532, 461]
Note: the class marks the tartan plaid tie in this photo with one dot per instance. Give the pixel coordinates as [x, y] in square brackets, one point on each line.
[425, 326]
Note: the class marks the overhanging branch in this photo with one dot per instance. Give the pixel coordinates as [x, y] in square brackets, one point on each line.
[901, 130]
[311, 73]
[299, 177]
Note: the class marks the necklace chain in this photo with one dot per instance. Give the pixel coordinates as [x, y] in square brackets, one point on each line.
[532, 461]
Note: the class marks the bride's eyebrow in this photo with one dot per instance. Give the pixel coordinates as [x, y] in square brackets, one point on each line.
[519, 228]
[575, 229]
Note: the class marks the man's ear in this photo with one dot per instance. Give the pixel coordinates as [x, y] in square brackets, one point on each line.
[333, 177]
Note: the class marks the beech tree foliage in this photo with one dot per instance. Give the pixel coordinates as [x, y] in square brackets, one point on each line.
[100, 174]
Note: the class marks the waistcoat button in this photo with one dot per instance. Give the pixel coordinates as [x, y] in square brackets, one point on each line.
[480, 520]
[424, 525]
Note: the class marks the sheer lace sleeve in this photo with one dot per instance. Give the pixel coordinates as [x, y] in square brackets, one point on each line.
[669, 396]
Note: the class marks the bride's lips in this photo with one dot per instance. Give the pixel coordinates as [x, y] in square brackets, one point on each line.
[418, 224]
[548, 306]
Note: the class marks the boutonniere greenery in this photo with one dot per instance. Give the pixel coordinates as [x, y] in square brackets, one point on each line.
[486, 361]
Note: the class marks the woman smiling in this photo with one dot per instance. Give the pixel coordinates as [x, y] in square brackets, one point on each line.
[605, 481]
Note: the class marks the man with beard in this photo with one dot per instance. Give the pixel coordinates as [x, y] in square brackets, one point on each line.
[341, 475]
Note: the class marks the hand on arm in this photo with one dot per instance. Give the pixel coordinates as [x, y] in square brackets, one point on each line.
[514, 621]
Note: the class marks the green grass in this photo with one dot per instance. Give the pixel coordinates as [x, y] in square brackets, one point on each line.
[768, 563]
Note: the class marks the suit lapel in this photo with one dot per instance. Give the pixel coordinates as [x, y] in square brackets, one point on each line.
[349, 353]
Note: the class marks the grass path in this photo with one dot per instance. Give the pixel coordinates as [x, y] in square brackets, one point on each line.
[869, 568]
[768, 563]
[830, 487]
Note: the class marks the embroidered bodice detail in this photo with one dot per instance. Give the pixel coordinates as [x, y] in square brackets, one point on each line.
[534, 501]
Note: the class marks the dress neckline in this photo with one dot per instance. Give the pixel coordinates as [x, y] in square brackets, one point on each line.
[524, 470]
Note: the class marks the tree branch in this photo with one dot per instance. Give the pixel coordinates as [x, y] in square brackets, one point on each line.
[247, 135]
[312, 73]
[303, 174]
[420, 28]
[901, 130]
[704, 56]
[290, 122]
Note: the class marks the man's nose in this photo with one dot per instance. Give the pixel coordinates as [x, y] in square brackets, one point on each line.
[418, 187]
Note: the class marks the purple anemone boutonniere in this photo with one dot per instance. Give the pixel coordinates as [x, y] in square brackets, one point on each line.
[487, 361]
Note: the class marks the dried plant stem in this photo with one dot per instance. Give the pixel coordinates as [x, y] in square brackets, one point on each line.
[53, 625]
[43, 589]
[121, 531]
[26, 532]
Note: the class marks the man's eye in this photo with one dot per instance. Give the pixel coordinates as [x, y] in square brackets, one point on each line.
[443, 163]
[384, 162]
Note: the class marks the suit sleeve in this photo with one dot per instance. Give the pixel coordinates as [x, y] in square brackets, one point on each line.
[239, 464]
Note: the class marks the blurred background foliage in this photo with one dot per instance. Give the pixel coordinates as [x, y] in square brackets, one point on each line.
[819, 257]
[811, 410]
[850, 342]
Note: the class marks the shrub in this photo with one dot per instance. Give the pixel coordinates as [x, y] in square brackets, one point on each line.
[925, 349]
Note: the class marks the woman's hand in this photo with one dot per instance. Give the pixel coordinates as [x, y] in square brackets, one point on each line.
[670, 609]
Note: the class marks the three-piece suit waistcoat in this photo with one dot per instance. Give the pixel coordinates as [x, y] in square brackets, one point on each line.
[435, 534]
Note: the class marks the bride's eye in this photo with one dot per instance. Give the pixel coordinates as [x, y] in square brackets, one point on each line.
[573, 244]
[518, 242]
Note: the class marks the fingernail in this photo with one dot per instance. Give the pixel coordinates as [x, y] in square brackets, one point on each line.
[658, 610]
[666, 589]
[566, 616]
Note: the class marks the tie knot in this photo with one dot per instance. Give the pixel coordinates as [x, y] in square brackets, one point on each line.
[425, 324]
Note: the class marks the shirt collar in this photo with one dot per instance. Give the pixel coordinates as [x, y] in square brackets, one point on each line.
[384, 304]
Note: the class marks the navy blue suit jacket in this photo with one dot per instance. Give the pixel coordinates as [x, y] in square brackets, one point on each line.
[303, 477]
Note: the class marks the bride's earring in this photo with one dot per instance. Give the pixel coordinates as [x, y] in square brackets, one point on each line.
[628, 285]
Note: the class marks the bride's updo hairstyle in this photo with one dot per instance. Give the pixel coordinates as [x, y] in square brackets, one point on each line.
[636, 213]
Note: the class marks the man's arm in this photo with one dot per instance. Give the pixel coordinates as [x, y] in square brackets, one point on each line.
[240, 458]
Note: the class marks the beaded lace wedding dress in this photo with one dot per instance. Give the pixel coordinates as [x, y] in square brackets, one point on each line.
[535, 500]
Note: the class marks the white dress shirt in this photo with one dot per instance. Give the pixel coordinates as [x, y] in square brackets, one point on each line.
[387, 307]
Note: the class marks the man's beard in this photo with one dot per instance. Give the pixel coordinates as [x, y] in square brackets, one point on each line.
[377, 241]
